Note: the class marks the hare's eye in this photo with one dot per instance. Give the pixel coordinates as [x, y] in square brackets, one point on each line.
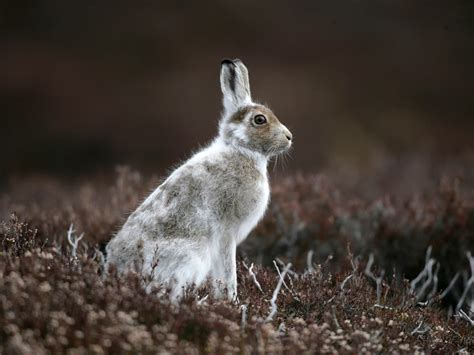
[260, 119]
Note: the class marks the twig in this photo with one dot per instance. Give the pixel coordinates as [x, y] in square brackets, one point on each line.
[383, 307]
[469, 282]
[149, 277]
[435, 284]
[336, 322]
[343, 284]
[201, 301]
[330, 300]
[422, 273]
[243, 322]
[450, 286]
[455, 332]
[73, 240]
[282, 328]
[279, 274]
[273, 308]
[282, 264]
[254, 276]
[295, 296]
[420, 330]
[309, 262]
[378, 280]
[354, 265]
[464, 316]
[427, 277]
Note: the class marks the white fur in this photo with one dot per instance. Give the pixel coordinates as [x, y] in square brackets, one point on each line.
[190, 226]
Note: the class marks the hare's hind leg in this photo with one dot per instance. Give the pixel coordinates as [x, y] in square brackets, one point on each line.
[194, 271]
[178, 264]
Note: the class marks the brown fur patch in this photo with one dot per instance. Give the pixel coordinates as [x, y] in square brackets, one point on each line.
[240, 114]
[140, 244]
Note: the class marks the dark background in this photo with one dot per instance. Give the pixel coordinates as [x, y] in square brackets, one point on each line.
[86, 85]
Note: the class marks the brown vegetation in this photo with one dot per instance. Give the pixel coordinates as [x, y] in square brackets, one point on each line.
[54, 298]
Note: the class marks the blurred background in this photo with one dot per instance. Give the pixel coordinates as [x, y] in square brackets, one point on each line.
[86, 85]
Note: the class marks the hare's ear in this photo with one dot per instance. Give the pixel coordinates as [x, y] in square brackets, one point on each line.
[235, 84]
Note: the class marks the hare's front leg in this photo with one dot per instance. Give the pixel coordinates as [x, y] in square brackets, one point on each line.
[225, 270]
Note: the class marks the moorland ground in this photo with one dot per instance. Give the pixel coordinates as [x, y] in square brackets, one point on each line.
[373, 270]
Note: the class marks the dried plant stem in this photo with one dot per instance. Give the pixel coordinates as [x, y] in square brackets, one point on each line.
[253, 276]
[464, 316]
[273, 308]
[378, 280]
[73, 240]
[425, 278]
[469, 283]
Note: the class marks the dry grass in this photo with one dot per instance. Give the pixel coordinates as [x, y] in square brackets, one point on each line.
[54, 302]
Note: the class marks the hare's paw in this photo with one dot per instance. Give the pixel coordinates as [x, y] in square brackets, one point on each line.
[233, 298]
[231, 288]
[218, 289]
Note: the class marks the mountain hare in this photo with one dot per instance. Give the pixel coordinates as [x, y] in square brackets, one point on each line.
[188, 229]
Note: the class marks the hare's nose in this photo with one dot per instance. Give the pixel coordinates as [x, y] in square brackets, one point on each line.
[288, 135]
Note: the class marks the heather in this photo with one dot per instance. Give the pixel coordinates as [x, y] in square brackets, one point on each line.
[336, 266]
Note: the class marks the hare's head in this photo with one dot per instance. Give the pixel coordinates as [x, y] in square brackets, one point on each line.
[245, 123]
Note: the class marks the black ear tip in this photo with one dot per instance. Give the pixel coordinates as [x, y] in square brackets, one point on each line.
[227, 61]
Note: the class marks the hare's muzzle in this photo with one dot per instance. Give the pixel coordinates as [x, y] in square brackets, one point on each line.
[288, 135]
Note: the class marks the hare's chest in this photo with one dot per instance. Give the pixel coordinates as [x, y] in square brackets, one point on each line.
[254, 205]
